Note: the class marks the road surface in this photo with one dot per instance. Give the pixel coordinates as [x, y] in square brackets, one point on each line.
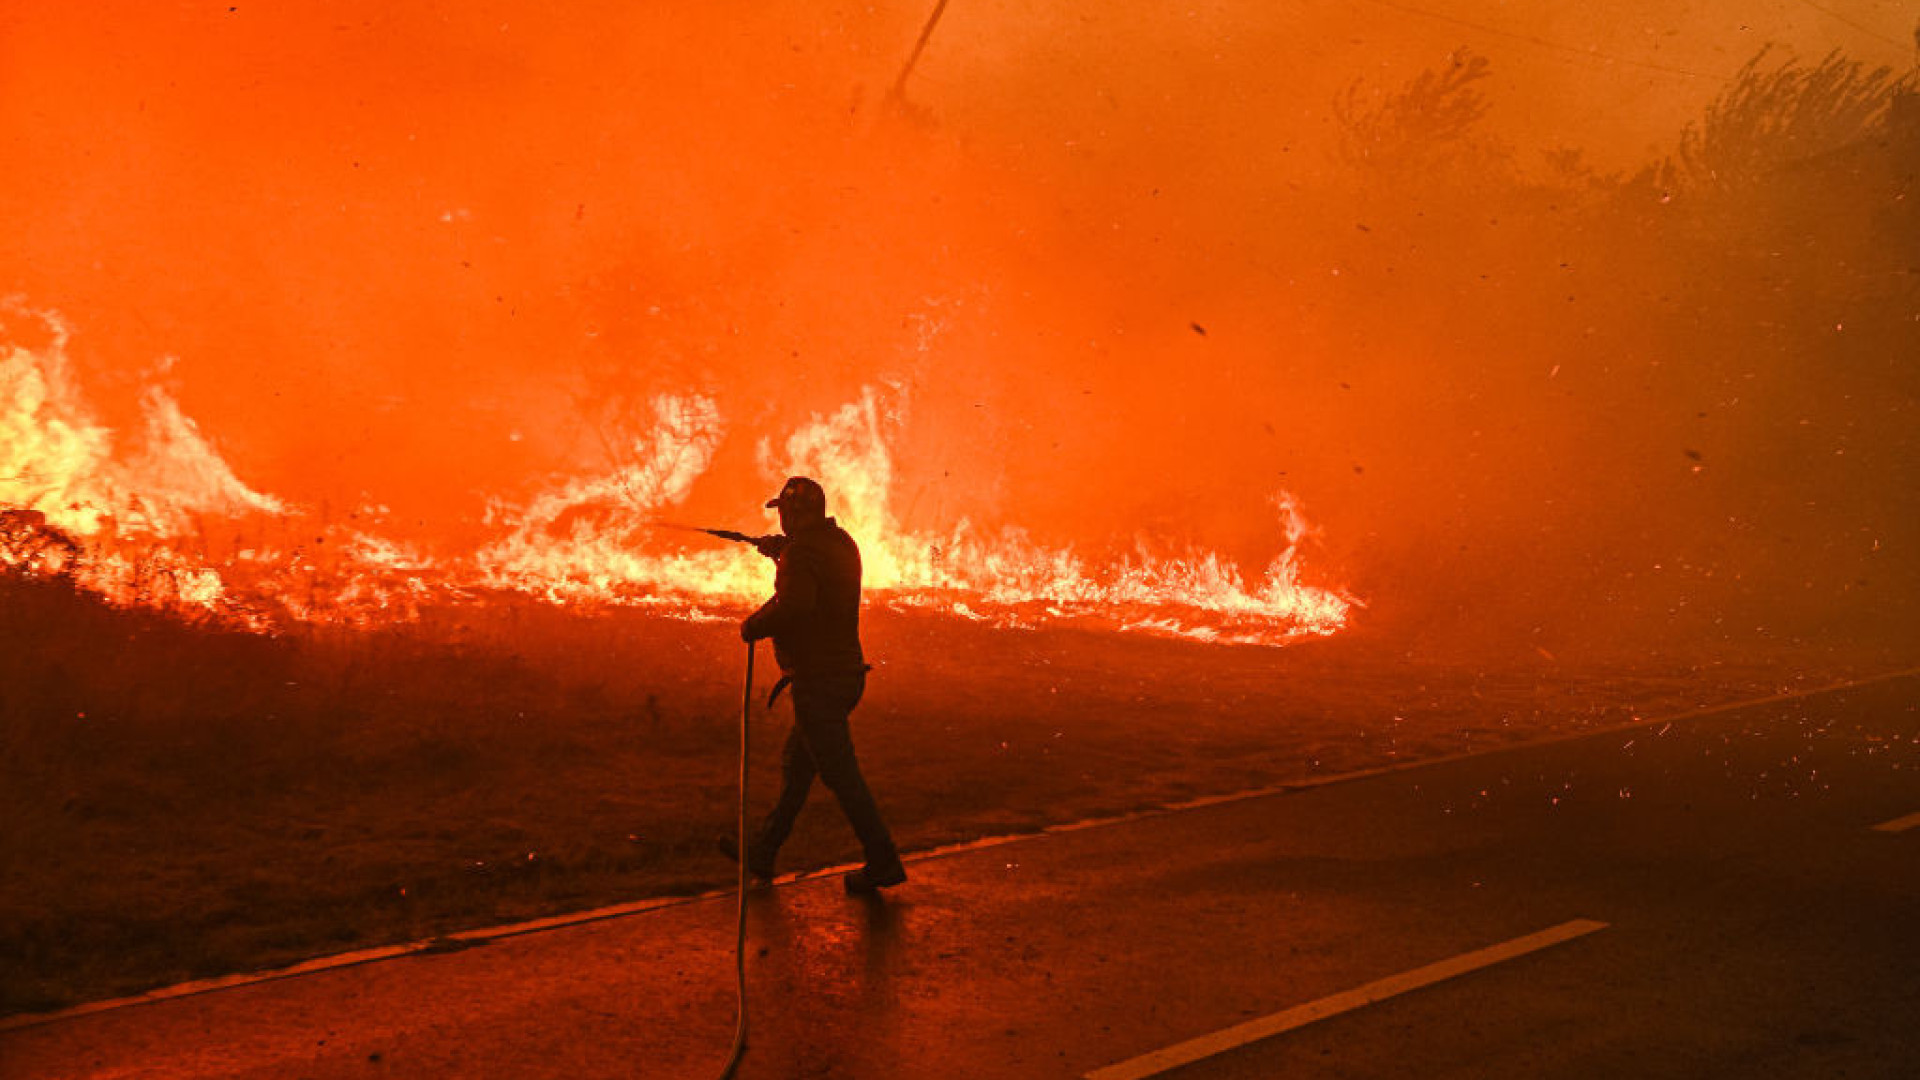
[1730, 895]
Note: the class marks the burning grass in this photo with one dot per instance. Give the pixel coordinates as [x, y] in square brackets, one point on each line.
[186, 801]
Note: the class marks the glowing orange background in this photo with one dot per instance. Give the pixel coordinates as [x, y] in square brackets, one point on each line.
[394, 248]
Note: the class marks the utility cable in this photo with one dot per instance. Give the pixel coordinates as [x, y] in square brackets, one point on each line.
[1867, 30]
[1590, 54]
[740, 924]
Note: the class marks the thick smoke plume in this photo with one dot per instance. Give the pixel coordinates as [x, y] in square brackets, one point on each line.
[1119, 277]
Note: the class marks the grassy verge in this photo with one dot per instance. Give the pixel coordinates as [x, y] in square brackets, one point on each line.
[183, 803]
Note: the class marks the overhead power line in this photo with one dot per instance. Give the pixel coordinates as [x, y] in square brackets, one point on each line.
[1867, 30]
[1591, 54]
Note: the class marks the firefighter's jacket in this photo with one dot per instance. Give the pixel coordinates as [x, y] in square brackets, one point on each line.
[814, 616]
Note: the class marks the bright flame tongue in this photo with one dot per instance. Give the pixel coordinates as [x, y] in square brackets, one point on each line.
[108, 521]
[1007, 578]
[131, 526]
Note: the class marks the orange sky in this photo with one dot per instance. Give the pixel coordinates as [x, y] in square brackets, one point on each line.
[391, 244]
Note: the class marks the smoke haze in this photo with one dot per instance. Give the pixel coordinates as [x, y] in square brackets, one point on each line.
[1542, 369]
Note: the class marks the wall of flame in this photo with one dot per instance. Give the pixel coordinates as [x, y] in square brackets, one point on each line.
[468, 293]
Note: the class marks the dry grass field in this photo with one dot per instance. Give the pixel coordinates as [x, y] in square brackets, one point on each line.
[182, 802]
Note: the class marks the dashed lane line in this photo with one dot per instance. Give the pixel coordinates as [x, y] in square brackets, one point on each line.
[1206, 1046]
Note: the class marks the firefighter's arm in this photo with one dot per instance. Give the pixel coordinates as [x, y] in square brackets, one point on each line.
[795, 591]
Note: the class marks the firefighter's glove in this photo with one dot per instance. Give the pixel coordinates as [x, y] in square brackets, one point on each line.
[770, 546]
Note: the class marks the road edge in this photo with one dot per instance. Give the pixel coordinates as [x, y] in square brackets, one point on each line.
[481, 935]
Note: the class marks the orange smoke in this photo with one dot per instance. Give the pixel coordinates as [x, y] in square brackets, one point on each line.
[1057, 327]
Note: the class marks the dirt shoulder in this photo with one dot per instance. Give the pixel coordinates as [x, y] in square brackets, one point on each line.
[184, 803]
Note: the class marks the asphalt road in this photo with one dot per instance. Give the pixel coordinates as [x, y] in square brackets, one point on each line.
[1756, 924]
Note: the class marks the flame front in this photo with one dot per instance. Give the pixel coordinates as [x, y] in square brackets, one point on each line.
[112, 521]
[606, 550]
[132, 525]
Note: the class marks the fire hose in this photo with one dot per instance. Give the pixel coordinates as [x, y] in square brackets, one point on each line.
[740, 924]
